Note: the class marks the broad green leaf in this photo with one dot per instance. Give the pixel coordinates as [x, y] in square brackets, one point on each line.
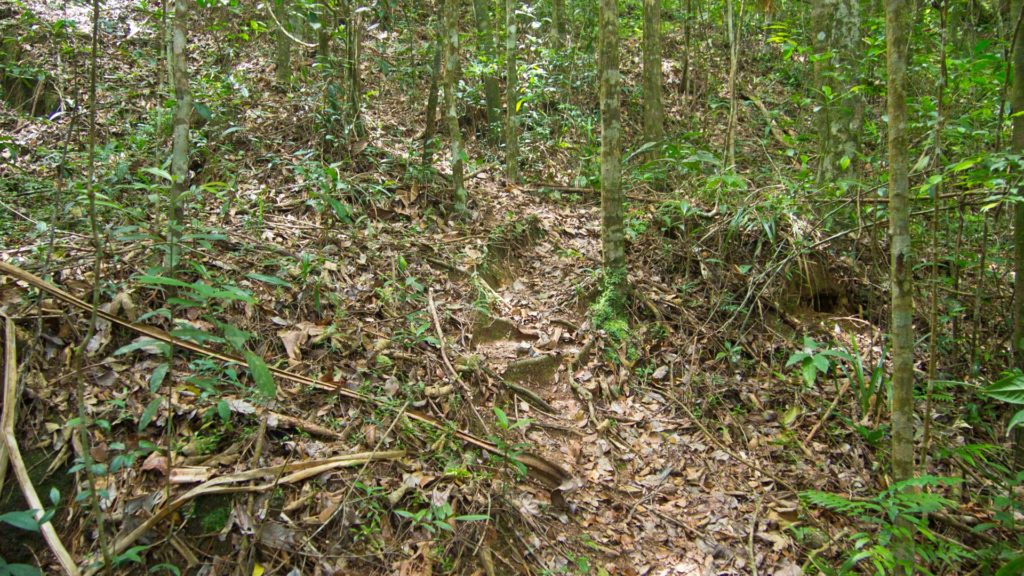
[473, 518]
[161, 347]
[274, 280]
[196, 335]
[810, 372]
[224, 410]
[149, 413]
[203, 110]
[164, 281]
[158, 173]
[157, 378]
[235, 336]
[22, 570]
[23, 519]
[1017, 420]
[1009, 388]
[261, 375]
[502, 418]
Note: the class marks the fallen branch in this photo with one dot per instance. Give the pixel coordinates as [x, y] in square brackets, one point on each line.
[10, 443]
[295, 472]
[542, 469]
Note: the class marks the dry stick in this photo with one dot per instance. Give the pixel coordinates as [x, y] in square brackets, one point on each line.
[750, 537]
[842, 393]
[285, 31]
[543, 469]
[351, 487]
[447, 363]
[296, 472]
[10, 443]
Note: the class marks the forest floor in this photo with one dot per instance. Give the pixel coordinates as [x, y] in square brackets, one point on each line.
[684, 460]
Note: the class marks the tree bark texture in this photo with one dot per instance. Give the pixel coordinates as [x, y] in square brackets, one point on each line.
[612, 200]
[835, 27]
[182, 115]
[451, 83]
[654, 111]
[511, 95]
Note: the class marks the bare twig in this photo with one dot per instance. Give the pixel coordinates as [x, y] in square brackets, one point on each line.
[842, 394]
[10, 444]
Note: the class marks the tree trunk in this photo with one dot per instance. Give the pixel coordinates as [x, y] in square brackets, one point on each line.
[1017, 145]
[451, 83]
[431, 128]
[654, 112]
[612, 200]
[355, 88]
[732, 28]
[492, 90]
[325, 32]
[182, 115]
[835, 28]
[685, 64]
[897, 29]
[284, 44]
[511, 96]
[558, 28]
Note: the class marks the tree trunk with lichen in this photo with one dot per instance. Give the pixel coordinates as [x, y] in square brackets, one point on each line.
[355, 83]
[835, 26]
[283, 61]
[451, 83]
[654, 111]
[612, 200]
[897, 29]
[511, 98]
[182, 116]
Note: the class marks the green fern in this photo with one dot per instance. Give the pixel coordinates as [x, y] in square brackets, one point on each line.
[837, 503]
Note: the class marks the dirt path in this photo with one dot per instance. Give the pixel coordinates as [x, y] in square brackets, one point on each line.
[653, 495]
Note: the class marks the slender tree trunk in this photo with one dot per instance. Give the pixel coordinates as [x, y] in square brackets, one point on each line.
[685, 64]
[451, 83]
[492, 90]
[511, 95]
[182, 115]
[558, 28]
[732, 28]
[612, 199]
[325, 32]
[654, 111]
[432, 97]
[897, 30]
[835, 26]
[937, 165]
[284, 44]
[1017, 146]
[355, 86]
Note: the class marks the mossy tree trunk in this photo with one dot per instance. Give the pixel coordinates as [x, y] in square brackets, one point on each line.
[654, 111]
[612, 199]
[897, 29]
[511, 95]
[451, 84]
